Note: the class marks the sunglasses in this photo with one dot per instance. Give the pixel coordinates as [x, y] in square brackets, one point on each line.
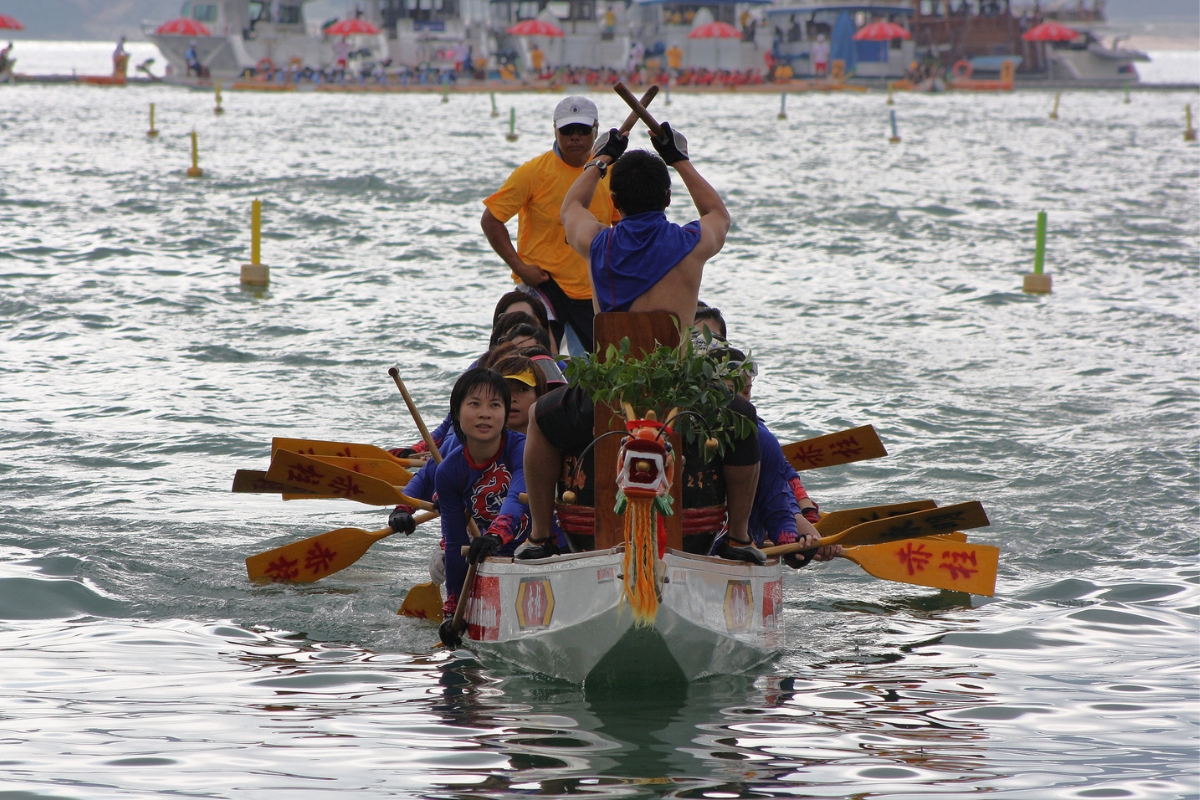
[576, 130]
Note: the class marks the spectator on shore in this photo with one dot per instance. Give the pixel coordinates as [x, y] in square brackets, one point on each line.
[820, 56]
[193, 61]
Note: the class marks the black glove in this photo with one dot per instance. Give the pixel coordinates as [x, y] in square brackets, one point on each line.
[812, 514]
[530, 549]
[741, 552]
[612, 143]
[672, 146]
[448, 635]
[798, 560]
[483, 547]
[401, 521]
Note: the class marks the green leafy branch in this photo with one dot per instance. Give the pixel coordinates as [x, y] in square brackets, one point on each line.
[700, 380]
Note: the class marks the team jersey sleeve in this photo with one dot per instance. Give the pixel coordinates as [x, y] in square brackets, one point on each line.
[423, 485]
[774, 503]
[512, 196]
[438, 434]
[512, 521]
[451, 484]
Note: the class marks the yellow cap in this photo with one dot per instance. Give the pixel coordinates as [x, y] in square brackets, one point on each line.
[524, 376]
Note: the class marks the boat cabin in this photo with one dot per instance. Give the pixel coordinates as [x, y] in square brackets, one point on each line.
[245, 36]
[794, 30]
[593, 33]
[662, 24]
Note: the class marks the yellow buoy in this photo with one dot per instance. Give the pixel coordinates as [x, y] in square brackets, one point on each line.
[218, 110]
[153, 132]
[194, 171]
[1189, 133]
[256, 273]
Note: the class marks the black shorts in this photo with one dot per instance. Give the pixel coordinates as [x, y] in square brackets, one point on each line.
[745, 451]
[565, 416]
[578, 314]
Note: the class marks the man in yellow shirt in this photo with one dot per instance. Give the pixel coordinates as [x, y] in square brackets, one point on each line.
[537, 57]
[543, 262]
[674, 58]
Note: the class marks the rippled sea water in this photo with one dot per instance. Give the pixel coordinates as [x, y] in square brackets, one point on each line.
[876, 283]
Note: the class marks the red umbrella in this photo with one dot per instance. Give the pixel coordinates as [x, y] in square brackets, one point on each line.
[8, 23]
[535, 27]
[183, 27]
[1049, 32]
[716, 30]
[350, 27]
[881, 32]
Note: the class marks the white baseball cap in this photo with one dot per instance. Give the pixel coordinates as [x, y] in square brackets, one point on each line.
[575, 110]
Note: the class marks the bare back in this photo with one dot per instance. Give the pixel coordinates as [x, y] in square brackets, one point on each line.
[679, 289]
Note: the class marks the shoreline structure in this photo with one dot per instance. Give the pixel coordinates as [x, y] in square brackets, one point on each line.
[466, 86]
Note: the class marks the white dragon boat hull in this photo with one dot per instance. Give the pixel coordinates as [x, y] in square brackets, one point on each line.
[566, 617]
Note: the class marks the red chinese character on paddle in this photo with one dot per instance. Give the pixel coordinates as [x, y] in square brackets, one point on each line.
[847, 448]
[345, 486]
[813, 455]
[318, 558]
[282, 570]
[304, 474]
[915, 558]
[956, 563]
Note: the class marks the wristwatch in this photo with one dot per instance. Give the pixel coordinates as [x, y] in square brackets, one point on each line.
[602, 166]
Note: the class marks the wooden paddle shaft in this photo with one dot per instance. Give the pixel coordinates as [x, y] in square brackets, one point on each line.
[472, 528]
[962, 516]
[632, 119]
[416, 415]
[457, 623]
[638, 108]
[796, 547]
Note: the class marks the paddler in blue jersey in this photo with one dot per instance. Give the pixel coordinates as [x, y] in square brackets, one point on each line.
[643, 263]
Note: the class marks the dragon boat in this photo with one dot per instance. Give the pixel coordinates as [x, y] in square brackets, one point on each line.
[636, 601]
[639, 603]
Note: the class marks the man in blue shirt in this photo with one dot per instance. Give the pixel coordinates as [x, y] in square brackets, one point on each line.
[644, 263]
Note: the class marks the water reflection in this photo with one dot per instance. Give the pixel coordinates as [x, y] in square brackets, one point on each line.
[723, 737]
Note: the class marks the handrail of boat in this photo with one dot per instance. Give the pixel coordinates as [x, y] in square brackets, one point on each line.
[561, 557]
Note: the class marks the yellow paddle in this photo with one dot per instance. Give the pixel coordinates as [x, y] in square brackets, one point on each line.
[316, 447]
[254, 481]
[838, 521]
[948, 519]
[855, 444]
[423, 601]
[318, 556]
[385, 470]
[936, 561]
[249, 481]
[307, 474]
